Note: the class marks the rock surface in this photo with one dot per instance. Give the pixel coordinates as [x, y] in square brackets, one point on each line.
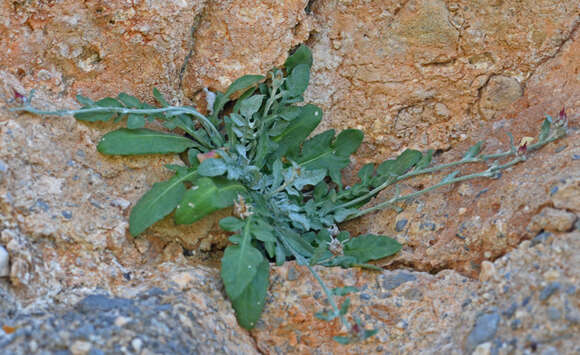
[412, 74]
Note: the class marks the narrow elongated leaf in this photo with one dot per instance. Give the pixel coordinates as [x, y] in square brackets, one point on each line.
[159, 97]
[158, 202]
[545, 130]
[400, 165]
[250, 302]
[450, 176]
[142, 141]
[473, 151]
[205, 197]
[342, 291]
[302, 55]
[371, 247]
[239, 266]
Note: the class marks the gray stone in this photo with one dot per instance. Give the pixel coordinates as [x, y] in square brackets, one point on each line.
[396, 279]
[484, 330]
[101, 303]
[549, 290]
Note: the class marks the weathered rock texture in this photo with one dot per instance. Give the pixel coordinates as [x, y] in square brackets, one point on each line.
[418, 73]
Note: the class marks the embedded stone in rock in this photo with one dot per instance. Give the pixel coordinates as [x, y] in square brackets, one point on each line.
[101, 303]
[483, 331]
[4, 262]
[392, 280]
[550, 219]
[568, 195]
[500, 92]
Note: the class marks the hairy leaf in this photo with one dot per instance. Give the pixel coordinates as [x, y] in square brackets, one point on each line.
[545, 130]
[297, 82]
[142, 141]
[212, 167]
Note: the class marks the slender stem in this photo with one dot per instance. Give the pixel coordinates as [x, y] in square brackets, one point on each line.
[173, 110]
[491, 172]
[479, 159]
[327, 292]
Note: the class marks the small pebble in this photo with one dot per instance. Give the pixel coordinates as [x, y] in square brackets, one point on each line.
[488, 271]
[483, 349]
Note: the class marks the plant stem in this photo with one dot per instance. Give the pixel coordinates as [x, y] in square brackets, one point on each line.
[327, 292]
[491, 172]
[479, 159]
[172, 110]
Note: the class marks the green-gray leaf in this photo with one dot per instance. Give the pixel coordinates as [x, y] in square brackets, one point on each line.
[231, 224]
[142, 141]
[158, 202]
[371, 247]
[239, 266]
[297, 81]
[97, 116]
[205, 197]
[545, 130]
[250, 302]
[242, 83]
[298, 130]
[302, 55]
[473, 151]
[212, 167]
